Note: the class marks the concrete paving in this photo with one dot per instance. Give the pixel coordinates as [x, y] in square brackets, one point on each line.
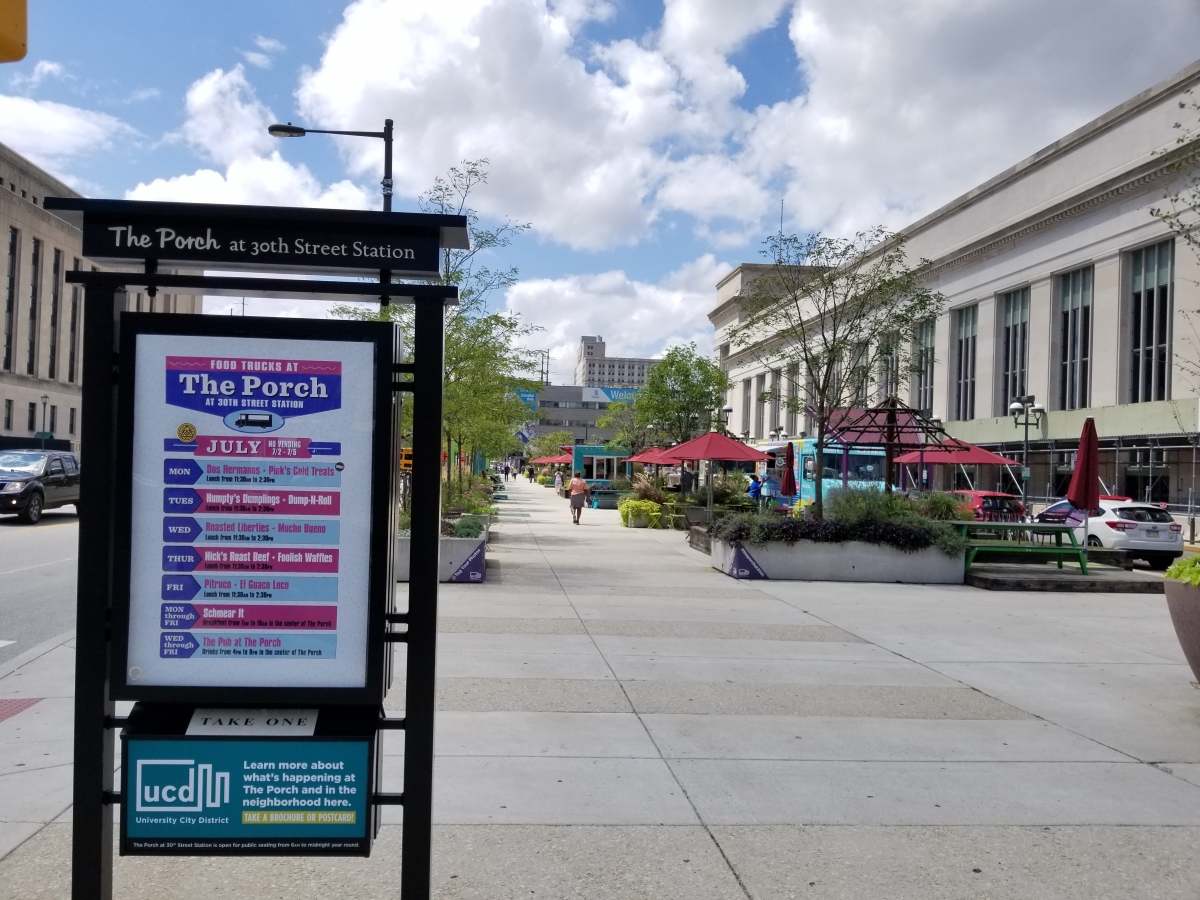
[619, 720]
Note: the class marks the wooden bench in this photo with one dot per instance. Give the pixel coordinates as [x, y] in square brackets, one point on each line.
[1019, 548]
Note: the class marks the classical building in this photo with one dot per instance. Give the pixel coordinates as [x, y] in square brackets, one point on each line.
[1060, 283]
[42, 337]
[594, 369]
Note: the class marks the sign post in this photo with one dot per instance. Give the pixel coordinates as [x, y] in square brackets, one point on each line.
[237, 523]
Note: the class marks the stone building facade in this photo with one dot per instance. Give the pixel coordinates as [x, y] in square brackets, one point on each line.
[41, 341]
[1060, 283]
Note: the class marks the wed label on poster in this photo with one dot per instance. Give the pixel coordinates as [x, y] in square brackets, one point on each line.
[251, 521]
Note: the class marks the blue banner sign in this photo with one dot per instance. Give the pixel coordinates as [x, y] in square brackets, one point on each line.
[609, 394]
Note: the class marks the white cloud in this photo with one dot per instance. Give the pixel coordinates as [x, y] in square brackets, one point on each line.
[227, 123]
[636, 318]
[269, 45]
[51, 134]
[261, 60]
[42, 70]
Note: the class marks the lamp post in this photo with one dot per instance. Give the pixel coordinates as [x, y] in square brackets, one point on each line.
[289, 130]
[1026, 411]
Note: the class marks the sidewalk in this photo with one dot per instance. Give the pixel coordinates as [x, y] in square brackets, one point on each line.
[619, 720]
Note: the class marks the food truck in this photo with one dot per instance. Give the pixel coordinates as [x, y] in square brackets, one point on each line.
[598, 464]
[843, 465]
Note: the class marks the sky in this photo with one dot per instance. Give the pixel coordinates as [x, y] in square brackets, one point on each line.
[651, 145]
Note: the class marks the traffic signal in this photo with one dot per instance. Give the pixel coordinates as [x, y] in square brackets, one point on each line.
[13, 30]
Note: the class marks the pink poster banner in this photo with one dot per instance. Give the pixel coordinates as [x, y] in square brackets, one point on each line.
[278, 501]
[286, 618]
[238, 365]
[234, 559]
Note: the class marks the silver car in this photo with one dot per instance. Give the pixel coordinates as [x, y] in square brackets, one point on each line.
[1145, 531]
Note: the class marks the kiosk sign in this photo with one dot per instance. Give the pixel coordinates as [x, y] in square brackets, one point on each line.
[250, 525]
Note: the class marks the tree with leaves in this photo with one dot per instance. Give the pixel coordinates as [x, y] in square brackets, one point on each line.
[485, 361]
[682, 396]
[840, 317]
[550, 444]
[632, 425]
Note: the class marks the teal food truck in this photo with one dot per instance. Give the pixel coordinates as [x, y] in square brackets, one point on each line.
[843, 465]
[598, 464]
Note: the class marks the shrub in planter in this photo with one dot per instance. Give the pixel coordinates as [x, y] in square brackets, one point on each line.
[632, 509]
[647, 488]
[726, 487]
[1183, 602]
[468, 527]
[906, 533]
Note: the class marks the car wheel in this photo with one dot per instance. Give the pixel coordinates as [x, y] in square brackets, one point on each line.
[1160, 561]
[33, 510]
[1094, 541]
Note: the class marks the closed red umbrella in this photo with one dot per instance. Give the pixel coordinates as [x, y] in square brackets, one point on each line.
[1084, 492]
[787, 484]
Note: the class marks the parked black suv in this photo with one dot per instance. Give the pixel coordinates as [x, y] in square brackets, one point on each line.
[35, 480]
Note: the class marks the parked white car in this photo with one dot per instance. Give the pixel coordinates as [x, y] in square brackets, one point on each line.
[1145, 531]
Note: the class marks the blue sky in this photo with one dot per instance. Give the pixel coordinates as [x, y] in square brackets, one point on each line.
[648, 142]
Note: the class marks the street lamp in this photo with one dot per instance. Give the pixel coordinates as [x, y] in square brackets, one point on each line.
[1026, 411]
[723, 415]
[289, 130]
[45, 398]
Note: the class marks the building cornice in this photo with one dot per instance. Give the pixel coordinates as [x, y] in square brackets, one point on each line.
[1158, 169]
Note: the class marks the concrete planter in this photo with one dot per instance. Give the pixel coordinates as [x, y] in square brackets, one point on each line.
[1183, 601]
[642, 521]
[462, 560]
[850, 561]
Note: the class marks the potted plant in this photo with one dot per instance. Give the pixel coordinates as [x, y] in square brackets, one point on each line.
[637, 513]
[1183, 602]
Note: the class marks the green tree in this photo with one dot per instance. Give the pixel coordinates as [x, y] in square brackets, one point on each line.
[632, 425]
[682, 394]
[839, 316]
[550, 444]
[484, 357]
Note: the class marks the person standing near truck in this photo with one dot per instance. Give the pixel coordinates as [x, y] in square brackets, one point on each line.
[578, 490]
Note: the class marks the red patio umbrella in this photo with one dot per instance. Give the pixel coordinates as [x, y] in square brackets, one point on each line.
[1084, 492]
[787, 484]
[713, 446]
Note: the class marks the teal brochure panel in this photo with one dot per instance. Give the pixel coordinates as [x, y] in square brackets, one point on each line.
[277, 796]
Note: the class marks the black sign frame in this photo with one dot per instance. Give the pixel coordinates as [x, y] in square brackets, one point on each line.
[385, 339]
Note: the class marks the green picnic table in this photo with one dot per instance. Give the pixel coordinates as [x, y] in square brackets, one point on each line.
[1020, 546]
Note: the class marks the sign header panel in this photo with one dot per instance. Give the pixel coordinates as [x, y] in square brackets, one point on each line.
[610, 394]
[263, 238]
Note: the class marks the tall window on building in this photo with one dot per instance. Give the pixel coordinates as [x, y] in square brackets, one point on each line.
[924, 358]
[1014, 351]
[747, 390]
[10, 299]
[74, 330]
[793, 391]
[53, 419]
[1150, 323]
[31, 421]
[71, 420]
[966, 329]
[760, 407]
[35, 299]
[776, 390]
[889, 367]
[1074, 338]
[8, 414]
[56, 272]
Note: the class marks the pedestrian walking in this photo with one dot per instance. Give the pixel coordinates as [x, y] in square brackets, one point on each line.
[686, 480]
[578, 489]
[506, 471]
[755, 490]
[558, 482]
[529, 474]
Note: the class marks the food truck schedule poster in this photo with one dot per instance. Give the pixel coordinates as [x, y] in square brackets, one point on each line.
[250, 550]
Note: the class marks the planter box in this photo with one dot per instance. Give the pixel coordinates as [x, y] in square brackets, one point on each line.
[1183, 601]
[642, 521]
[850, 561]
[462, 560]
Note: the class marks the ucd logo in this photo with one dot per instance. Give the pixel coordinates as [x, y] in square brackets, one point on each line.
[179, 785]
